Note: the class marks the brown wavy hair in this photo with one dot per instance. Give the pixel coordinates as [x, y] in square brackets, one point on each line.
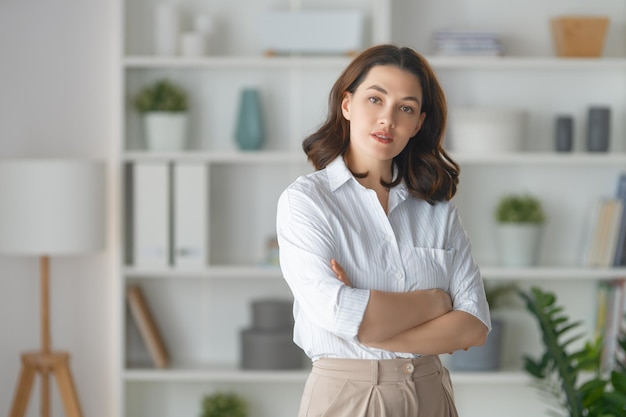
[426, 168]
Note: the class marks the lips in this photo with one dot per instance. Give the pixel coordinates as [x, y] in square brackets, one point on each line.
[384, 137]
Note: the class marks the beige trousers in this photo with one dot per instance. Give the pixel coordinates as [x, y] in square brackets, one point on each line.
[386, 388]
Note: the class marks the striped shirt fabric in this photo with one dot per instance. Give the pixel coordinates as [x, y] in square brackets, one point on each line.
[328, 215]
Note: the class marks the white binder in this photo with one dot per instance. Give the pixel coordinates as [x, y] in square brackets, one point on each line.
[151, 215]
[190, 215]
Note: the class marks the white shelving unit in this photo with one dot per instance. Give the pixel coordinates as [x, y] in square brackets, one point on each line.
[200, 312]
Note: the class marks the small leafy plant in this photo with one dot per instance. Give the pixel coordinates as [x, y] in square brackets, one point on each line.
[520, 209]
[224, 405]
[498, 295]
[163, 95]
[559, 371]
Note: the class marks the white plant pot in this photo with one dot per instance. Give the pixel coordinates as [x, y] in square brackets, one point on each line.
[519, 243]
[165, 131]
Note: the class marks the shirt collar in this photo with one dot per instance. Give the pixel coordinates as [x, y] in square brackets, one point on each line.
[338, 173]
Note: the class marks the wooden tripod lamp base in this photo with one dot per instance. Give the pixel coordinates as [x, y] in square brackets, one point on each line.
[50, 207]
[46, 363]
[56, 363]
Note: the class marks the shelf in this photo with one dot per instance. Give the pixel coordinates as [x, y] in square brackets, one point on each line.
[213, 272]
[552, 273]
[237, 62]
[520, 158]
[565, 273]
[572, 159]
[526, 63]
[225, 374]
[253, 157]
[339, 62]
[498, 377]
[214, 374]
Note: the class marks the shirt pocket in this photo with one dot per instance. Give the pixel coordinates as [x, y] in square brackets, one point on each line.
[429, 268]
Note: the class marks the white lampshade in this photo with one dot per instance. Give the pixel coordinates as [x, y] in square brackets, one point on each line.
[51, 206]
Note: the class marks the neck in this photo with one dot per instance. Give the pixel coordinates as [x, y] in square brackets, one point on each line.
[376, 170]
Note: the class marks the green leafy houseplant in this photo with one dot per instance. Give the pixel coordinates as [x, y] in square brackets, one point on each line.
[163, 96]
[560, 371]
[520, 209]
[224, 405]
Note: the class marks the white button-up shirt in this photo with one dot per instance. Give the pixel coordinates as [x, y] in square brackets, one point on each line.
[328, 215]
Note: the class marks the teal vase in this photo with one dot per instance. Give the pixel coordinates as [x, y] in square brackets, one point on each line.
[249, 131]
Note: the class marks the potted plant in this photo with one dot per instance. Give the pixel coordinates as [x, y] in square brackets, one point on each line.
[224, 405]
[573, 379]
[164, 106]
[519, 219]
[487, 357]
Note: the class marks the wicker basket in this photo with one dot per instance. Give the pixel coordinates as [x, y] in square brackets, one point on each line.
[579, 36]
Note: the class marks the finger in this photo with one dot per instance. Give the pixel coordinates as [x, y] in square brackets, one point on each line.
[338, 270]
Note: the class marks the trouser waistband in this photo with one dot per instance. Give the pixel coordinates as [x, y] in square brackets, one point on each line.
[377, 371]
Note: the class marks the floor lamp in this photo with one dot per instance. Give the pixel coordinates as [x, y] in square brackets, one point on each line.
[49, 208]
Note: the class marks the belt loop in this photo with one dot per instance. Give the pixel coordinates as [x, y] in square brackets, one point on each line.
[374, 372]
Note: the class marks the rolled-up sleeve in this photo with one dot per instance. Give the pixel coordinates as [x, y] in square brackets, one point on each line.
[306, 246]
[466, 286]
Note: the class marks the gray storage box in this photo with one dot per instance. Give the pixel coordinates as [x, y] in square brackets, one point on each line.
[269, 343]
[272, 315]
[273, 349]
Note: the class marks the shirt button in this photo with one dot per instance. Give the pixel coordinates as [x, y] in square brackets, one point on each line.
[389, 238]
[399, 275]
[408, 368]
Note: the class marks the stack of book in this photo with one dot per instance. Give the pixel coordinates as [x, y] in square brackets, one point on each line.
[467, 43]
[147, 326]
[606, 236]
[610, 323]
[606, 247]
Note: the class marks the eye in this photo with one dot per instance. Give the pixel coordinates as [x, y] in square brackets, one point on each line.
[374, 100]
[407, 109]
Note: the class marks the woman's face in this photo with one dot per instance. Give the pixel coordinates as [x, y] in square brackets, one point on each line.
[384, 113]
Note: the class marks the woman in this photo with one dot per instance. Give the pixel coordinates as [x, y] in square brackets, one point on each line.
[374, 253]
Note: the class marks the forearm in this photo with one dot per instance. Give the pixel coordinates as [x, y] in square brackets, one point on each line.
[453, 331]
[389, 314]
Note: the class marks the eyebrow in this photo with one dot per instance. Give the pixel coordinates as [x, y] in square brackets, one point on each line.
[383, 91]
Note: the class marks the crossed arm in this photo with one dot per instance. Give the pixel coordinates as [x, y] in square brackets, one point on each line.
[419, 321]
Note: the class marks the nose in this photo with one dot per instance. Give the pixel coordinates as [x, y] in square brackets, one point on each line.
[386, 117]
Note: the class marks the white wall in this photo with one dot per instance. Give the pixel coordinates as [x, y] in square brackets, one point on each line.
[57, 98]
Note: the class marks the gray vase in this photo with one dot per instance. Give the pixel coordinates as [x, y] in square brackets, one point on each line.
[598, 129]
[250, 129]
[563, 133]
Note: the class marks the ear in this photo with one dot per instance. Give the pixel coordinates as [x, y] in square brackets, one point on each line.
[345, 105]
[419, 123]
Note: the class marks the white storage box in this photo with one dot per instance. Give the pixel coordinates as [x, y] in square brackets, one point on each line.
[311, 31]
[487, 129]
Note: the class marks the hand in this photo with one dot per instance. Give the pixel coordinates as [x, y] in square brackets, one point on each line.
[341, 274]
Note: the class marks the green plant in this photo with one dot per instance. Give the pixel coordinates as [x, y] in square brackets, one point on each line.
[498, 295]
[560, 370]
[163, 95]
[224, 405]
[519, 209]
